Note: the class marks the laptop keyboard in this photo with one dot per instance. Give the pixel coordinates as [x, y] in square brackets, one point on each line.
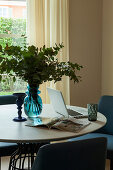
[75, 114]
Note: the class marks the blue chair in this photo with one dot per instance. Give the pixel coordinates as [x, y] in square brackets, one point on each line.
[105, 106]
[87, 154]
[6, 149]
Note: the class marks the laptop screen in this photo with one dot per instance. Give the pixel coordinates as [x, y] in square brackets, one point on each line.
[57, 101]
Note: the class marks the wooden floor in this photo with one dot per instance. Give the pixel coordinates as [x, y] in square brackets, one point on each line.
[107, 165]
[5, 162]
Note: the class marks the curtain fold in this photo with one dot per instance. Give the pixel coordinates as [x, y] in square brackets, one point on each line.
[47, 25]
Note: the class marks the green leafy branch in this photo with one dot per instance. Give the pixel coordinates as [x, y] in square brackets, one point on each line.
[36, 65]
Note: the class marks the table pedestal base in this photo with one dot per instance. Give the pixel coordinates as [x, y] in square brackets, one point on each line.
[23, 157]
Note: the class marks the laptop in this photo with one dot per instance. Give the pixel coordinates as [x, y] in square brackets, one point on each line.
[58, 103]
[60, 108]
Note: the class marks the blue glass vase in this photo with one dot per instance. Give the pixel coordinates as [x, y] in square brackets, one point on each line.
[32, 102]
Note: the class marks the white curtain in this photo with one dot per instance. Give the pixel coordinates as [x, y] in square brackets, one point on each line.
[47, 25]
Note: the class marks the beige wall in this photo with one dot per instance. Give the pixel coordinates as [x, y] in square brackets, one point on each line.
[85, 48]
[107, 48]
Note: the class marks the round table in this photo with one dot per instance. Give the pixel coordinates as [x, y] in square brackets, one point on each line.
[11, 131]
[18, 132]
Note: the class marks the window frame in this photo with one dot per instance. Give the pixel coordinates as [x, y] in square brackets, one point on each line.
[2, 11]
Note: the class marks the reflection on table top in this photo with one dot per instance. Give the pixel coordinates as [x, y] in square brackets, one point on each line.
[11, 131]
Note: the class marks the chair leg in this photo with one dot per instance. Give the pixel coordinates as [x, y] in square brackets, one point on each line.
[111, 164]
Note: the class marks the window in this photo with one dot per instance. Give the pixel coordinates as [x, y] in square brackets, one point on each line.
[12, 27]
[24, 13]
[4, 11]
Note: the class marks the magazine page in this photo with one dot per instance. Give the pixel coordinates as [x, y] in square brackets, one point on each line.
[42, 121]
[71, 125]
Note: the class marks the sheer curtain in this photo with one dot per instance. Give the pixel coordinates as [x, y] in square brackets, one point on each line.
[48, 24]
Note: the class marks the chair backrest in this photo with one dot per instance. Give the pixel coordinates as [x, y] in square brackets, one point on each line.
[7, 99]
[105, 106]
[89, 154]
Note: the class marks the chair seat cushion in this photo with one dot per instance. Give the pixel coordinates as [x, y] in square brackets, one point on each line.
[6, 149]
[94, 135]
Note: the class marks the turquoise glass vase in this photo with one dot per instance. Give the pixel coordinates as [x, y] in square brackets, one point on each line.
[32, 102]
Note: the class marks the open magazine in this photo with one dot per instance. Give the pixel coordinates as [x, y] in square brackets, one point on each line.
[65, 124]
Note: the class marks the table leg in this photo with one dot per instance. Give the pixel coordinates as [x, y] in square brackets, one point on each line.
[24, 156]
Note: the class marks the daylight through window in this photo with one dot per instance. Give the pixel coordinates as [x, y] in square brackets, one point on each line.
[13, 14]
